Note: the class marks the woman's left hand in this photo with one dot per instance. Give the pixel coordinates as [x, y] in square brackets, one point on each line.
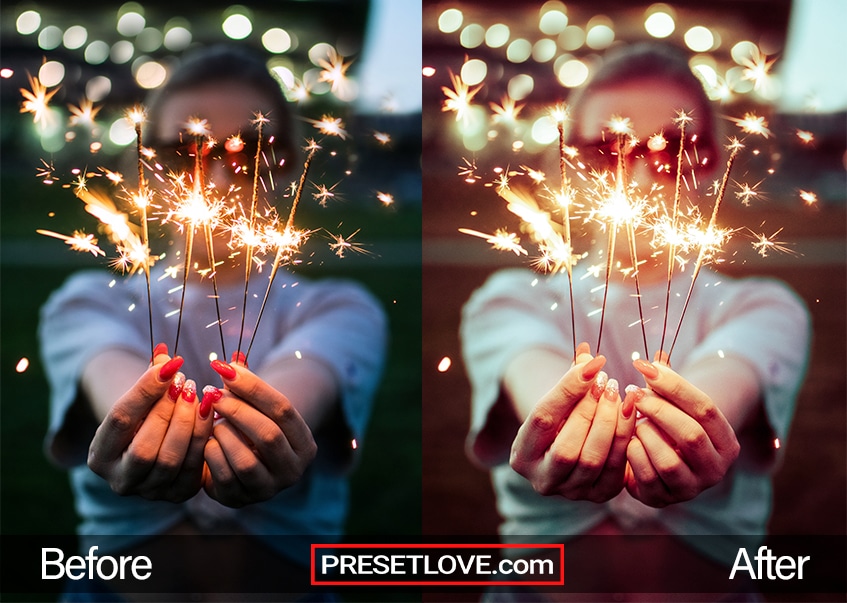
[261, 446]
[684, 446]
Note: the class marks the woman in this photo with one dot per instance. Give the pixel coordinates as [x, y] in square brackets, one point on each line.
[265, 454]
[567, 452]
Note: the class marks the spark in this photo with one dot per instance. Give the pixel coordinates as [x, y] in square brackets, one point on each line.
[332, 126]
[382, 137]
[46, 172]
[385, 198]
[78, 241]
[334, 70]
[763, 244]
[84, 114]
[341, 244]
[459, 97]
[22, 365]
[506, 111]
[808, 197]
[444, 364]
[324, 193]
[757, 68]
[113, 177]
[805, 136]
[37, 100]
[752, 124]
[468, 170]
[747, 192]
[501, 240]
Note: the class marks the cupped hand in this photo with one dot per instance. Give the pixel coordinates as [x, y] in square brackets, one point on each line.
[152, 439]
[261, 446]
[574, 441]
[685, 444]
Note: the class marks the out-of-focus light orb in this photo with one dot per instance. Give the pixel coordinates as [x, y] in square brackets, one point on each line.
[320, 52]
[49, 38]
[572, 73]
[743, 51]
[520, 86]
[276, 40]
[543, 50]
[497, 35]
[428, 71]
[443, 365]
[599, 33]
[450, 20]
[28, 22]
[177, 38]
[544, 130]
[75, 37]
[285, 75]
[150, 74]
[553, 22]
[121, 132]
[131, 24]
[122, 52]
[472, 36]
[51, 73]
[737, 82]
[96, 53]
[699, 38]
[6, 73]
[237, 26]
[572, 38]
[473, 72]
[98, 88]
[706, 73]
[149, 40]
[659, 24]
[23, 365]
[519, 50]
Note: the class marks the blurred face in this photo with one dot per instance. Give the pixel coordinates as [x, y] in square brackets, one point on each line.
[651, 106]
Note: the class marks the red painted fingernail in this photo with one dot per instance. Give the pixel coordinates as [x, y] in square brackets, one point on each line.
[633, 394]
[161, 348]
[189, 391]
[223, 369]
[646, 369]
[593, 367]
[211, 394]
[176, 387]
[599, 385]
[170, 368]
[239, 357]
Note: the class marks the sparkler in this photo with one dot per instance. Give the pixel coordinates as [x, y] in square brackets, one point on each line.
[565, 197]
[142, 199]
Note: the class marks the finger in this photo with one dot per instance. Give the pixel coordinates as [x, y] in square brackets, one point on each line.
[124, 418]
[221, 483]
[674, 473]
[259, 432]
[247, 467]
[171, 454]
[642, 479]
[601, 433]
[160, 354]
[140, 456]
[542, 425]
[691, 400]
[684, 432]
[270, 402]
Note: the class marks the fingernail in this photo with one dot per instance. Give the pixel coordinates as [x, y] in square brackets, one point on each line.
[223, 369]
[161, 348]
[646, 369]
[662, 357]
[593, 367]
[599, 385]
[176, 387]
[170, 368]
[189, 391]
[633, 394]
[211, 394]
[239, 358]
[582, 348]
[611, 391]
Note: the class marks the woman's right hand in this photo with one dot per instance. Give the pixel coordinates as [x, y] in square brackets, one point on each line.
[574, 441]
[152, 439]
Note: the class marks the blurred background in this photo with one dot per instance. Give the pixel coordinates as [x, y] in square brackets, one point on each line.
[92, 63]
[782, 60]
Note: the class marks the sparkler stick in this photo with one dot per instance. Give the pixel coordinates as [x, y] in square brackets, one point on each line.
[248, 261]
[289, 238]
[136, 115]
[560, 114]
[682, 119]
[733, 147]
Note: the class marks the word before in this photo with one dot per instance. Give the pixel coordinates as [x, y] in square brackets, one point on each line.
[54, 567]
[785, 567]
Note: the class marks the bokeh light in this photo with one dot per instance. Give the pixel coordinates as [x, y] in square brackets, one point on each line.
[96, 53]
[572, 73]
[473, 72]
[543, 50]
[122, 52]
[599, 33]
[75, 37]
[519, 50]
[660, 24]
[131, 23]
[49, 38]
[699, 38]
[450, 20]
[28, 22]
[276, 40]
[553, 22]
[572, 38]
[149, 74]
[149, 40]
[237, 26]
[98, 88]
[51, 73]
[520, 86]
[121, 132]
[497, 35]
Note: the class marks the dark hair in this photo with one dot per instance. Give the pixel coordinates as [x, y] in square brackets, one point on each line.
[228, 63]
[646, 60]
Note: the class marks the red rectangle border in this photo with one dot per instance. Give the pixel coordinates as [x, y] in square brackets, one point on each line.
[554, 582]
